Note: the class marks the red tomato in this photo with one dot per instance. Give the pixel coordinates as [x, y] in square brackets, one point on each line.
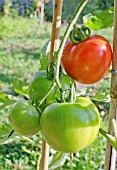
[88, 61]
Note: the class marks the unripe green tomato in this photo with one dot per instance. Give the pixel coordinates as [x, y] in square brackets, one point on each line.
[24, 118]
[70, 127]
[40, 86]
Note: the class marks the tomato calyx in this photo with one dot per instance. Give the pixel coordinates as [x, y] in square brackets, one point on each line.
[78, 35]
[67, 95]
[51, 69]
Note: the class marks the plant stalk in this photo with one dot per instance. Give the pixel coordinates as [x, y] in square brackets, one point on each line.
[66, 34]
[56, 24]
[110, 157]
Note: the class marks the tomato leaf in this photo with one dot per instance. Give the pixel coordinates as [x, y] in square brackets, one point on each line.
[101, 97]
[44, 56]
[99, 19]
[20, 87]
[5, 131]
[6, 100]
[57, 160]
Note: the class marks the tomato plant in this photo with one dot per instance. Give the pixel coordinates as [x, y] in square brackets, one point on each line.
[24, 118]
[70, 127]
[88, 61]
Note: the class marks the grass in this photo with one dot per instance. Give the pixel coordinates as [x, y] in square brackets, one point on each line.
[21, 40]
[20, 44]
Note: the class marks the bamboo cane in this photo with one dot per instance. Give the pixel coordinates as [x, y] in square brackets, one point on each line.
[57, 12]
[56, 24]
[110, 157]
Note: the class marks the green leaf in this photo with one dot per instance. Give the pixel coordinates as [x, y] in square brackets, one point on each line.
[57, 160]
[111, 10]
[6, 100]
[5, 131]
[92, 22]
[20, 87]
[101, 97]
[44, 56]
[99, 19]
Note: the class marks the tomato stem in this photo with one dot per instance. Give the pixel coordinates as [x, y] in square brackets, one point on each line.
[58, 54]
[38, 162]
[114, 128]
[23, 138]
[78, 34]
[53, 85]
[109, 137]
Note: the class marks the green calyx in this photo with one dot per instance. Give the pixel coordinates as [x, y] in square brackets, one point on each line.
[68, 95]
[51, 69]
[78, 35]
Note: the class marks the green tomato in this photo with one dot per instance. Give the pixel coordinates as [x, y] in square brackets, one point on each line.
[70, 127]
[40, 86]
[24, 118]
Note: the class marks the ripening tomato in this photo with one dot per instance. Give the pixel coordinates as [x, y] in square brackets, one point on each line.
[24, 118]
[70, 127]
[88, 61]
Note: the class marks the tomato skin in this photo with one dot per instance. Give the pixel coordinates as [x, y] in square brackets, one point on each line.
[40, 85]
[88, 61]
[24, 118]
[70, 127]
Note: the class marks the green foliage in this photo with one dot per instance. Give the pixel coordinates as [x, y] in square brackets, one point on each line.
[100, 19]
[20, 87]
[44, 56]
[12, 157]
[6, 100]
[100, 97]
[57, 160]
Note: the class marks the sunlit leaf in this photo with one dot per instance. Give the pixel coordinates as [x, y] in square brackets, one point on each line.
[99, 19]
[6, 100]
[44, 56]
[20, 87]
[57, 160]
[100, 97]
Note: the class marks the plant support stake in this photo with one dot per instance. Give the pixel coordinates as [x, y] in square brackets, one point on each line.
[110, 157]
[56, 24]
